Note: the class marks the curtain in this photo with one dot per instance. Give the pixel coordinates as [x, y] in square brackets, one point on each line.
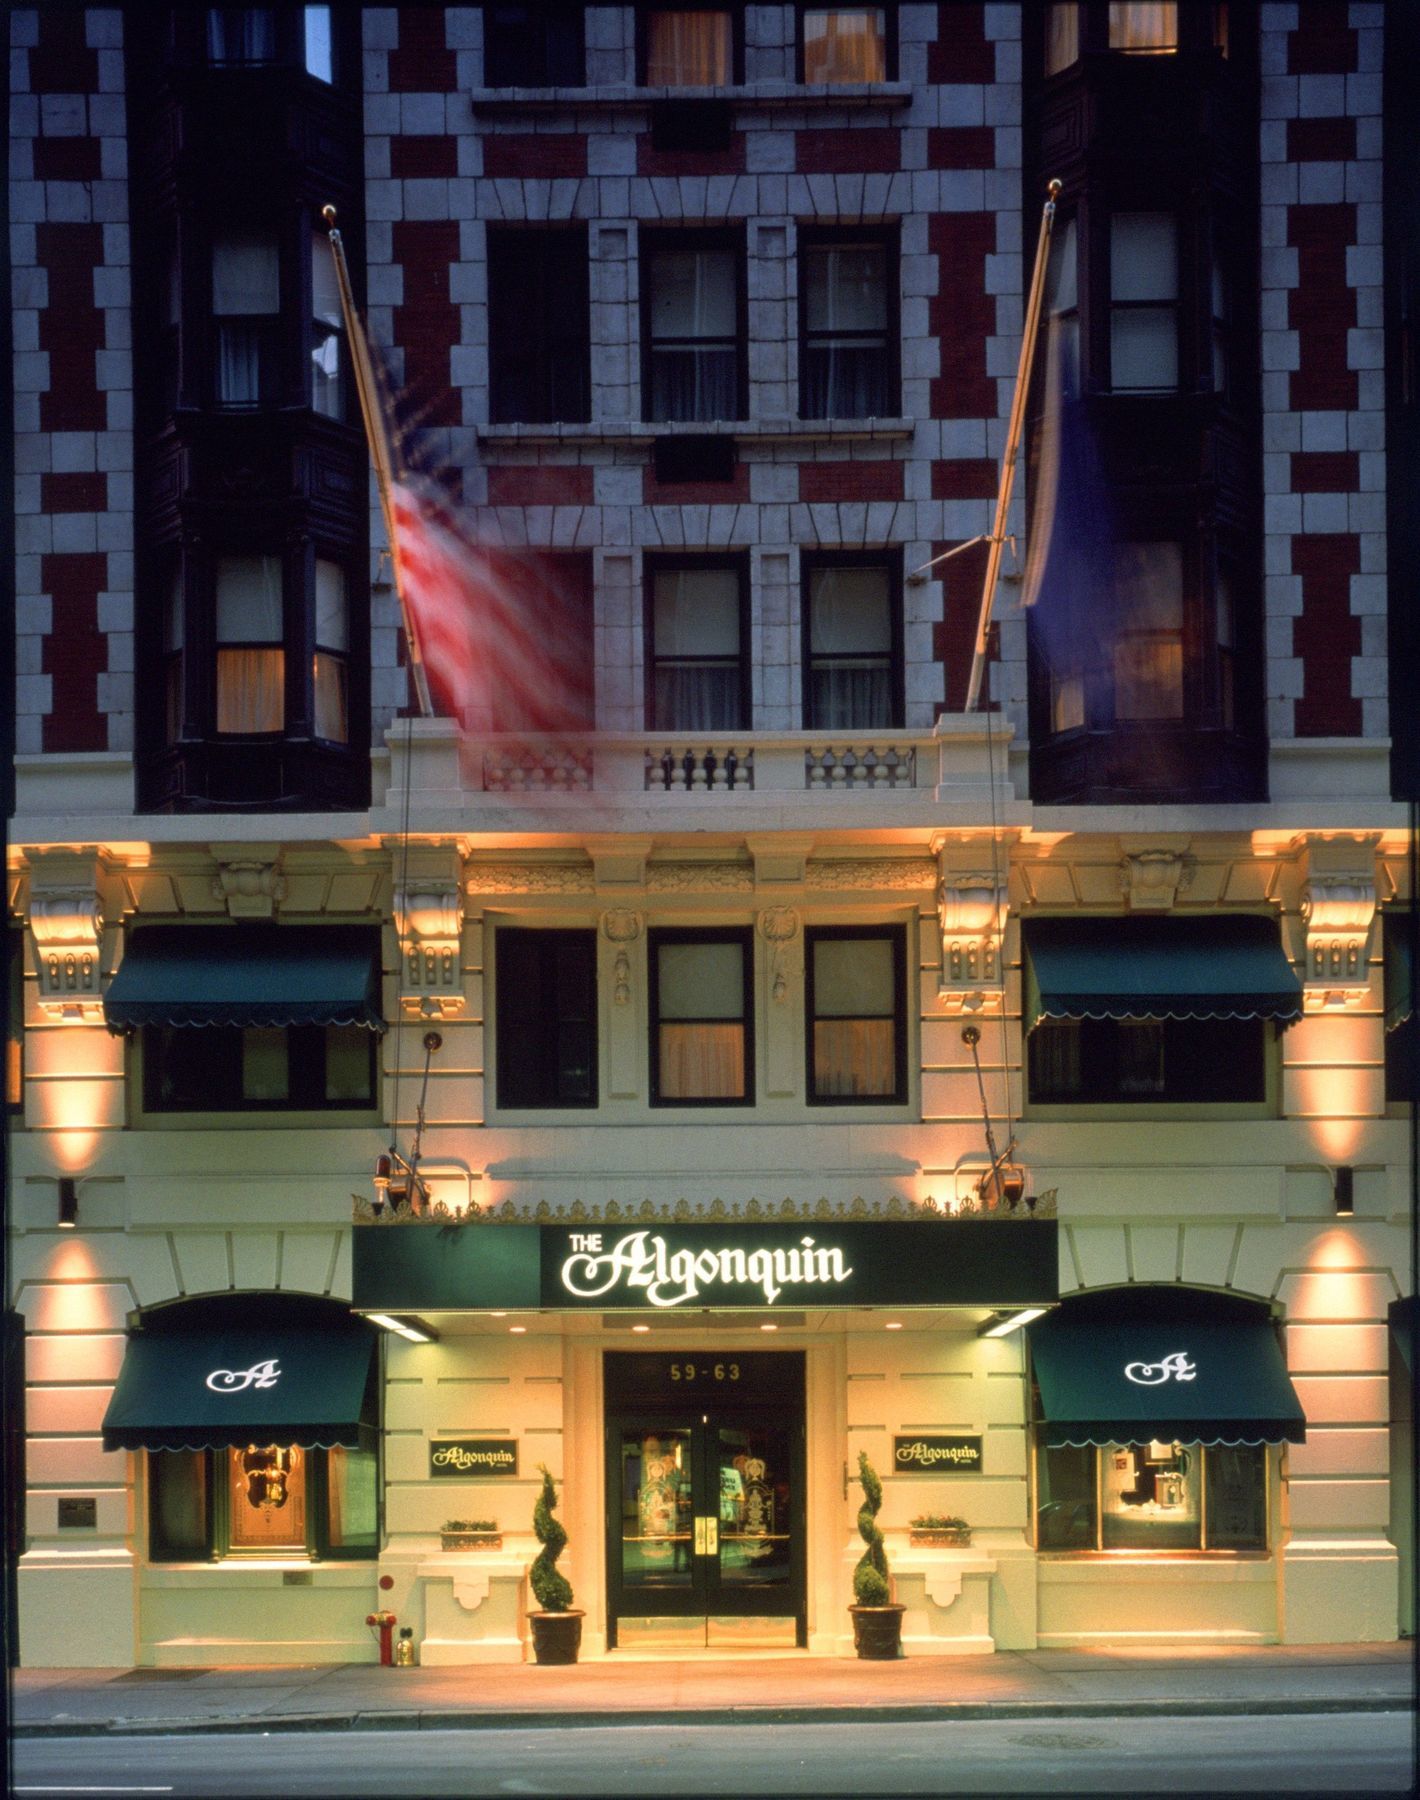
[699, 699]
[845, 298]
[1141, 1056]
[251, 691]
[693, 297]
[696, 641]
[694, 384]
[855, 1057]
[702, 1061]
[850, 697]
[245, 275]
[845, 381]
[1055, 1059]
[326, 396]
[1143, 25]
[332, 698]
[844, 44]
[1062, 37]
[688, 49]
[241, 34]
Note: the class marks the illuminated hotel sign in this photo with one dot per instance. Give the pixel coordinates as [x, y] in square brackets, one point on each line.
[686, 1266]
[473, 1459]
[1175, 1367]
[236, 1381]
[936, 1455]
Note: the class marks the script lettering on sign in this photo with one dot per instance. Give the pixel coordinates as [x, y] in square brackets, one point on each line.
[1174, 1367]
[235, 1381]
[936, 1455]
[673, 1277]
[474, 1458]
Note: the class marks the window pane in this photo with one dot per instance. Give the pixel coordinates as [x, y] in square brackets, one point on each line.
[1237, 1496]
[855, 1059]
[845, 43]
[347, 1065]
[1061, 271]
[266, 1493]
[854, 978]
[249, 600]
[325, 289]
[1065, 1499]
[846, 287]
[1147, 26]
[251, 691]
[850, 611]
[1143, 349]
[352, 1498]
[332, 697]
[1148, 678]
[15, 1039]
[693, 294]
[332, 629]
[1143, 257]
[318, 47]
[1062, 37]
[697, 612]
[1152, 1497]
[1054, 1052]
[241, 34]
[266, 1073]
[1067, 702]
[701, 1062]
[546, 1018]
[1141, 1056]
[1149, 585]
[245, 275]
[700, 981]
[177, 1505]
[688, 49]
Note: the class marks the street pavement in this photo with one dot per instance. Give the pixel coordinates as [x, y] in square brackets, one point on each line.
[623, 1689]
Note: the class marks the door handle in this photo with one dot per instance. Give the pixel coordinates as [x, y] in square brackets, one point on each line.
[707, 1535]
[699, 1536]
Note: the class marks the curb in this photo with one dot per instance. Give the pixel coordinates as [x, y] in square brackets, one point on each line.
[944, 1713]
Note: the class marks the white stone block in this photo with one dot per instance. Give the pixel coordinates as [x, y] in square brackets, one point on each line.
[1322, 183]
[1323, 431]
[1363, 95]
[1324, 512]
[1282, 431]
[1282, 514]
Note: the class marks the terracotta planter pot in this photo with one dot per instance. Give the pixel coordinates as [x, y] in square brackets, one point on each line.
[877, 1632]
[958, 1540]
[471, 1540]
[557, 1637]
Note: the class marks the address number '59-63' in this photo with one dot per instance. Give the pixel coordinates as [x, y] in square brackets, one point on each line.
[719, 1372]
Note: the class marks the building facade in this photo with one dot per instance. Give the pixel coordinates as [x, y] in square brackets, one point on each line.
[797, 1064]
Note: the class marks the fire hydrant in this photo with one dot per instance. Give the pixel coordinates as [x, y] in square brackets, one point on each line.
[386, 1623]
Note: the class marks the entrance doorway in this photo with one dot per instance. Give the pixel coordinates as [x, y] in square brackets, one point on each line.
[705, 1500]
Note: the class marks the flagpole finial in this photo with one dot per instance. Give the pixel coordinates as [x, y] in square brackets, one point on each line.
[1054, 188]
[328, 214]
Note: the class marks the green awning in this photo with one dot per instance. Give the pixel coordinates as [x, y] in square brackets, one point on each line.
[1402, 1314]
[1399, 981]
[1127, 1381]
[271, 975]
[263, 1382]
[1228, 966]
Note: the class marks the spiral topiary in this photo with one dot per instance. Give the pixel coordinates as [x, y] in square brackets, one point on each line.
[870, 1576]
[552, 1591]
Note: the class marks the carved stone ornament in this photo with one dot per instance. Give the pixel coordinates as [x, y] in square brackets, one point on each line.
[1152, 880]
[1338, 911]
[428, 921]
[901, 876]
[251, 886]
[621, 926]
[66, 924]
[531, 878]
[778, 926]
[971, 915]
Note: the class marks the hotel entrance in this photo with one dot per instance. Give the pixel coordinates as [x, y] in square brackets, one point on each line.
[705, 1500]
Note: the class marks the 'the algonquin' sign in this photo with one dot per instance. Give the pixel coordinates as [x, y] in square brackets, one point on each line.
[685, 1266]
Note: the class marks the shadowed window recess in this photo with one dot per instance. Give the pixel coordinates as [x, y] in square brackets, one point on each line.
[546, 1018]
[534, 46]
[539, 347]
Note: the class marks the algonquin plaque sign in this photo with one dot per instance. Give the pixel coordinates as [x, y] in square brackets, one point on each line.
[469, 1459]
[684, 1267]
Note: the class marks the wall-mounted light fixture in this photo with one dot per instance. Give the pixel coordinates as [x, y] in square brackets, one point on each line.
[405, 1325]
[1343, 1190]
[68, 1203]
[1001, 1324]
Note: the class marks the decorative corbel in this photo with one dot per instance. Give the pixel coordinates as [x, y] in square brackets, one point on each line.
[621, 926]
[67, 925]
[778, 926]
[249, 881]
[1338, 908]
[1152, 880]
[971, 916]
[428, 921]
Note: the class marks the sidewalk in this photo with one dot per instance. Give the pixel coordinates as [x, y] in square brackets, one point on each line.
[618, 1690]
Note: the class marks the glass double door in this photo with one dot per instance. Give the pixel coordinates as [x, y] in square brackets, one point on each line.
[705, 1527]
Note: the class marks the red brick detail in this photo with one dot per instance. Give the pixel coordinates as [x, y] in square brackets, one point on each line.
[536, 155]
[1323, 43]
[1321, 140]
[823, 481]
[71, 327]
[875, 150]
[961, 147]
[962, 315]
[62, 63]
[73, 493]
[1327, 635]
[729, 161]
[423, 158]
[954, 639]
[540, 484]
[1322, 307]
[962, 52]
[734, 492]
[423, 64]
[973, 478]
[75, 653]
[67, 159]
[1325, 472]
[428, 322]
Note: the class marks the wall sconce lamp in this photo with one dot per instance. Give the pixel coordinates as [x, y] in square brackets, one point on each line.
[405, 1325]
[68, 1203]
[1002, 1324]
[1343, 1190]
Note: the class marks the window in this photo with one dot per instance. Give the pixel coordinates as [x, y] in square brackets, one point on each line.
[246, 300]
[547, 1018]
[1155, 1496]
[1062, 36]
[852, 670]
[691, 307]
[1144, 27]
[250, 635]
[856, 995]
[1143, 320]
[534, 46]
[264, 1499]
[1402, 1034]
[242, 34]
[688, 47]
[845, 43]
[697, 679]
[702, 1041]
[317, 43]
[172, 659]
[539, 346]
[327, 332]
[15, 1020]
[1062, 311]
[1148, 644]
[1133, 1061]
[231, 1068]
[555, 692]
[330, 670]
[847, 325]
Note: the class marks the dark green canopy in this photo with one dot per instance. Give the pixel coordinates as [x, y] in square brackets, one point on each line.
[271, 975]
[1226, 966]
[1399, 978]
[1130, 1380]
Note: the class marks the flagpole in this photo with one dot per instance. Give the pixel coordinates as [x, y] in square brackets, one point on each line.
[366, 388]
[1013, 442]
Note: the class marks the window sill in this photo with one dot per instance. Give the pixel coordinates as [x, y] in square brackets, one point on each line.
[619, 97]
[764, 431]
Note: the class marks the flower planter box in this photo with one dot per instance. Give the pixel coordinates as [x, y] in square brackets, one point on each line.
[471, 1540]
[941, 1540]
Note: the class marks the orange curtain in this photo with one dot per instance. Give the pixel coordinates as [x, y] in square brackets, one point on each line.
[1148, 25]
[688, 49]
[855, 1057]
[251, 690]
[844, 45]
[702, 1062]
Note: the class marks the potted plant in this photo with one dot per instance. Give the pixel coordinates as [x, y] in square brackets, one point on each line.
[470, 1534]
[942, 1529]
[557, 1627]
[877, 1620]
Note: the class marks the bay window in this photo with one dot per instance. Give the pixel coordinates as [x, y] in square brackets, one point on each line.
[852, 666]
[697, 675]
[844, 43]
[847, 324]
[692, 308]
[688, 46]
[246, 299]
[702, 1039]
